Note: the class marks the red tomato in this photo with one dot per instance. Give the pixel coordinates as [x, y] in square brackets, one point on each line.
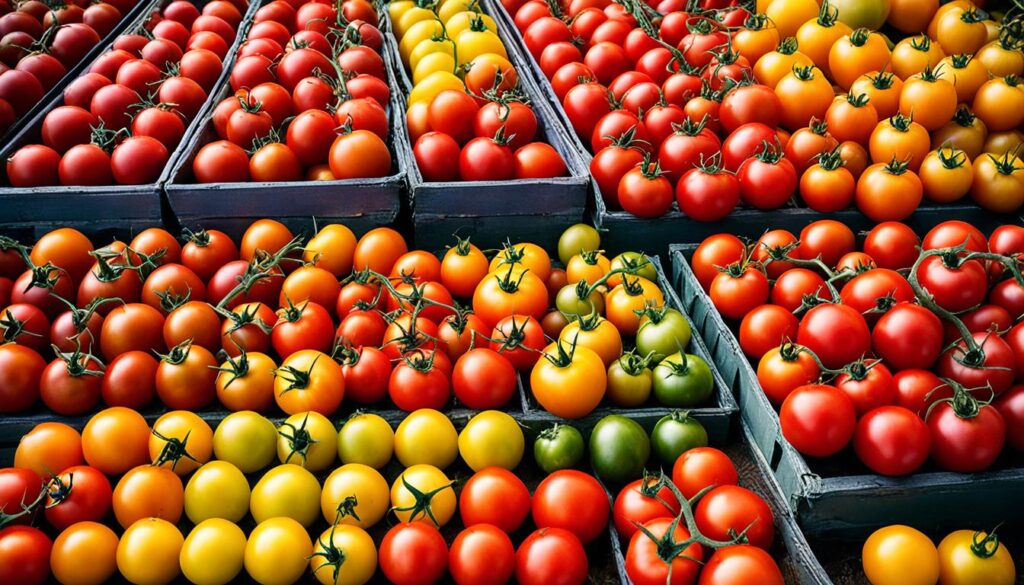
[739, 289]
[24, 555]
[413, 553]
[741, 563]
[765, 328]
[708, 193]
[644, 564]
[892, 440]
[730, 509]
[641, 501]
[876, 289]
[990, 364]
[494, 497]
[818, 420]
[551, 556]
[483, 379]
[78, 494]
[837, 334]
[892, 245]
[828, 239]
[417, 382]
[703, 467]
[481, 554]
[908, 336]
[1011, 406]
[571, 500]
[967, 437]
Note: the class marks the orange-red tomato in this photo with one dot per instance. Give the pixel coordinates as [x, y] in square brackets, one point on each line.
[116, 440]
[883, 90]
[378, 250]
[851, 117]
[50, 447]
[147, 491]
[888, 191]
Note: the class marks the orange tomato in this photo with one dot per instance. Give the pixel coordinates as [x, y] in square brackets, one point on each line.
[965, 132]
[504, 292]
[965, 72]
[928, 100]
[309, 380]
[805, 93]
[913, 54]
[417, 266]
[851, 117]
[530, 256]
[379, 249]
[116, 440]
[418, 119]
[826, 186]
[246, 382]
[961, 31]
[148, 492]
[946, 175]
[757, 38]
[332, 248]
[320, 172]
[50, 447]
[888, 191]
[858, 53]
[264, 234]
[933, 26]
[816, 36]
[855, 158]
[588, 266]
[462, 269]
[883, 90]
[998, 183]
[1002, 56]
[911, 16]
[774, 65]
[788, 15]
[625, 301]
[310, 283]
[85, 553]
[180, 441]
[1000, 104]
[899, 138]
[67, 248]
[1000, 143]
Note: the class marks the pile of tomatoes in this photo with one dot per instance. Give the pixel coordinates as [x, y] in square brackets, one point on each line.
[898, 555]
[41, 42]
[309, 102]
[121, 120]
[905, 352]
[722, 106]
[482, 118]
[119, 472]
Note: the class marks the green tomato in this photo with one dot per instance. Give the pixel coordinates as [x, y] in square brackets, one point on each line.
[619, 449]
[573, 302]
[675, 434]
[629, 381]
[637, 263]
[663, 332]
[558, 447]
[869, 14]
[579, 237]
[683, 380]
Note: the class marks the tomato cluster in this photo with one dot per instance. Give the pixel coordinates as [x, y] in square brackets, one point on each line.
[483, 119]
[895, 555]
[907, 355]
[310, 99]
[121, 120]
[718, 107]
[40, 43]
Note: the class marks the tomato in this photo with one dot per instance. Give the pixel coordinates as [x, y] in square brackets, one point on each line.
[195, 321]
[767, 181]
[213, 552]
[838, 334]
[956, 286]
[180, 440]
[715, 251]
[366, 371]
[286, 490]
[134, 326]
[738, 289]
[644, 562]
[25, 555]
[740, 563]
[783, 369]
[433, 501]
[84, 554]
[413, 553]
[147, 491]
[892, 440]
[585, 104]
[644, 192]
[417, 382]
[20, 372]
[573, 501]
[818, 420]
[551, 556]
[309, 380]
[356, 495]
[25, 325]
[798, 287]
[491, 439]
[307, 439]
[558, 447]
[426, 437]
[891, 337]
[18, 487]
[892, 245]
[765, 328]
[900, 555]
[899, 138]
[580, 369]
[116, 440]
[481, 553]
[277, 551]
[217, 490]
[246, 440]
[80, 493]
[641, 501]
[731, 509]
[494, 497]
[889, 191]
[47, 447]
[966, 556]
[966, 437]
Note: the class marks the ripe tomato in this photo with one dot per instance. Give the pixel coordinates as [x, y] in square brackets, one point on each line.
[966, 437]
[186, 377]
[765, 328]
[303, 326]
[818, 420]
[640, 502]
[116, 440]
[893, 334]
[84, 554]
[49, 446]
[571, 500]
[551, 555]
[20, 371]
[24, 555]
[715, 251]
[644, 564]
[738, 290]
[309, 380]
[767, 181]
[147, 491]
[277, 550]
[181, 441]
[731, 509]
[837, 334]
[644, 191]
[79, 494]
[892, 440]
[741, 563]
[412, 553]
[892, 245]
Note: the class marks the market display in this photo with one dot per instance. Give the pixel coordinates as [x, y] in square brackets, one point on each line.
[351, 291]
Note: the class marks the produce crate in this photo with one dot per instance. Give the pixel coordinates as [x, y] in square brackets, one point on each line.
[717, 417]
[491, 211]
[623, 231]
[361, 204]
[140, 10]
[839, 497]
[36, 210]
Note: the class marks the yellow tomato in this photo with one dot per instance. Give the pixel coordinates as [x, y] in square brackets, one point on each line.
[410, 17]
[789, 15]
[354, 494]
[277, 552]
[591, 267]
[595, 333]
[344, 555]
[148, 552]
[492, 439]
[969, 558]
[429, 47]
[213, 552]
[569, 383]
[449, 8]
[900, 555]
[246, 440]
[462, 21]
[307, 439]
[946, 175]
[417, 33]
[181, 441]
[432, 63]
[435, 504]
[217, 490]
[286, 490]
[426, 436]
[433, 84]
[85, 553]
[366, 438]
[399, 7]
[332, 248]
[475, 42]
